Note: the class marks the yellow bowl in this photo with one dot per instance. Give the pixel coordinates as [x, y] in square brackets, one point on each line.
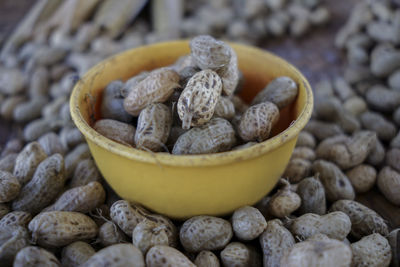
[184, 186]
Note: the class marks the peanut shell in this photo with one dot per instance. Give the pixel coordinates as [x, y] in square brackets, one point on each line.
[9, 187]
[35, 256]
[117, 131]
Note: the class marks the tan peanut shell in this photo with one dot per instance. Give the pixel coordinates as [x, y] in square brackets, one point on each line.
[275, 241]
[372, 250]
[132, 82]
[328, 253]
[60, 228]
[389, 184]
[153, 127]
[85, 172]
[30, 110]
[281, 91]
[312, 194]
[240, 105]
[117, 131]
[336, 225]
[119, 255]
[377, 154]
[110, 234]
[217, 135]
[337, 185]
[230, 75]
[35, 256]
[9, 187]
[7, 162]
[208, 53]
[362, 177]
[75, 156]
[164, 256]
[47, 182]
[385, 130]
[306, 139]
[127, 216]
[156, 87]
[364, 221]
[36, 128]
[27, 161]
[12, 81]
[9, 104]
[347, 152]
[51, 144]
[15, 218]
[205, 233]
[206, 259]
[257, 122]
[76, 254]
[80, 199]
[297, 169]
[394, 241]
[392, 158]
[240, 255]
[224, 108]
[197, 101]
[284, 202]
[149, 233]
[248, 223]
[12, 240]
[304, 153]
[70, 137]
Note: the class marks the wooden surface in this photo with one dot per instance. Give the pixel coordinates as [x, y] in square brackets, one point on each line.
[314, 54]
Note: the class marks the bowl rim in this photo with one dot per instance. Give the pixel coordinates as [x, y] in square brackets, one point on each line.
[164, 158]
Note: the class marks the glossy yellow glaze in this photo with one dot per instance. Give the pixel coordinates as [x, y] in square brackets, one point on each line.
[184, 186]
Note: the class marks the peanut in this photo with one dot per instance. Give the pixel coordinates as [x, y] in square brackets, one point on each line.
[110, 234]
[76, 254]
[7, 162]
[256, 123]
[35, 256]
[118, 255]
[231, 75]
[197, 101]
[60, 228]
[75, 156]
[312, 194]
[85, 172]
[47, 182]
[156, 87]
[205, 233]
[297, 169]
[35, 129]
[112, 106]
[153, 127]
[27, 161]
[12, 240]
[206, 259]
[217, 135]
[126, 216]
[30, 110]
[224, 108]
[117, 131]
[9, 187]
[372, 250]
[3, 210]
[347, 152]
[335, 225]
[318, 253]
[83, 198]
[240, 255]
[392, 158]
[306, 139]
[12, 81]
[163, 256]
[51, 144]
[304, 153]
[284, 202]
[275, 241]
[15, 218]
[373, 121]
[382, 99]
[364, 221]
[394, 241]
[281, 91]
[389, 184]
[248, 223]
[336, 184]
[322, 130]
[362, 177]
[208, 53]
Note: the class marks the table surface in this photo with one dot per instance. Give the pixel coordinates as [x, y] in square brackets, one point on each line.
[314, 54]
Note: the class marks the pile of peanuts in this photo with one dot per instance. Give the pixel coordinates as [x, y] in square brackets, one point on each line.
[253, 21]
[56, 209]
[201, 114]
